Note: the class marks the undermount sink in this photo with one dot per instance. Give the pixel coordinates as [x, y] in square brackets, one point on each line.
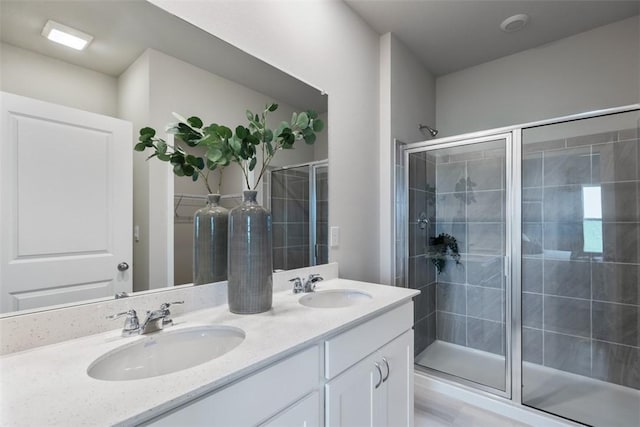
[334, 298]
[166, 352]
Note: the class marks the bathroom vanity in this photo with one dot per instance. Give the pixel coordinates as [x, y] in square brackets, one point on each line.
[342, 359]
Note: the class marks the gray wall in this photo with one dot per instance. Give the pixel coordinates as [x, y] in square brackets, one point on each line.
[589, 71]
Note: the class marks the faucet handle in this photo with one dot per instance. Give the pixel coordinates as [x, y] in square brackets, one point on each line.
[310, 284]
[131, 323]
[297, 285]
[166, 319]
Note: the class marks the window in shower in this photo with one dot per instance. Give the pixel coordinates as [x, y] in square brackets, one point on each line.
[457, 226]
[581, 269]
[299, 206]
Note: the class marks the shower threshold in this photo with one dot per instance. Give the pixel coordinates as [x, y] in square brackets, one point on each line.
[568, 395]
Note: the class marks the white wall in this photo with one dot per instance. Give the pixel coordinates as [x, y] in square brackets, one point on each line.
[325, 44]
[596, 69]
[407, 98]
[31, 74]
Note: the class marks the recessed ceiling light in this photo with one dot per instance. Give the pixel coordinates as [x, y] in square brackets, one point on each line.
[65, 35]
[514, 23]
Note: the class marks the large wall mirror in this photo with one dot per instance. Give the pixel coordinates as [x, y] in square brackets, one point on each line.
[142, 64]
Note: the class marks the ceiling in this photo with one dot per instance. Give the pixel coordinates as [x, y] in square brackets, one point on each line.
[450, 35]
[123, 29]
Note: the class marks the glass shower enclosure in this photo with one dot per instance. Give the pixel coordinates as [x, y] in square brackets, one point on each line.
[299, 201]
[525, 243]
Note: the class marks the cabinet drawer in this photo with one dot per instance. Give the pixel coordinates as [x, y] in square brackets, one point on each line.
[348, 348]
[254, 399]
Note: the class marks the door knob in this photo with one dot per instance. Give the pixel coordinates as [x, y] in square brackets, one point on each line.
[123, 266]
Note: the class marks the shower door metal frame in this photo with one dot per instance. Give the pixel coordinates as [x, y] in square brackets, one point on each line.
[514, 194]
[454, 142]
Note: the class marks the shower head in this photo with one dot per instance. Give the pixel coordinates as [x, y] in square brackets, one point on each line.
[433, 132]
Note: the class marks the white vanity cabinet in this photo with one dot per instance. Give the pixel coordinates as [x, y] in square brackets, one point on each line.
[377, 390]
[365, 379]
[271, 396]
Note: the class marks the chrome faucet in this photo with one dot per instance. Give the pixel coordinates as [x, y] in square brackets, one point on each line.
[156, 320]
[308, 285]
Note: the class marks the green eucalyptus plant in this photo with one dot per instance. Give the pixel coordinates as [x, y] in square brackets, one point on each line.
[224, 146]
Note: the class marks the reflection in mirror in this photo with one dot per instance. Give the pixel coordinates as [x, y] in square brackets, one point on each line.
[141, 65]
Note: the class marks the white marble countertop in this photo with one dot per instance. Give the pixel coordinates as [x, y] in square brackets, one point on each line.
[49, 386]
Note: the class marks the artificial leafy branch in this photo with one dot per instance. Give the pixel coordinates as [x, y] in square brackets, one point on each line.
[224, 146]
[440, 248]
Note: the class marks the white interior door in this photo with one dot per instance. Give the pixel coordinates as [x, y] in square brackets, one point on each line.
[65, 205]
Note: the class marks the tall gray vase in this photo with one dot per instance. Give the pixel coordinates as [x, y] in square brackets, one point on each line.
[250, 260]
[210, 229]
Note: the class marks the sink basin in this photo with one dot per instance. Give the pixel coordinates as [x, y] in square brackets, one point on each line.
[334, 298]
[166, 352]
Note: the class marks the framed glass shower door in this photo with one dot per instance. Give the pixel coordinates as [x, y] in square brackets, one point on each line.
[457, 241]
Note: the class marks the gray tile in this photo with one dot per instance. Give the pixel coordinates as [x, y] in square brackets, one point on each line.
[485, 335]
[417, 172]
[451, 328]
[567, 278]
[425, 303]
[322, 211]
[616, 364]
[418, 272]
[567, 353]
[532, 310]
[616, 323]
[278, 210]
[488, 174]
[485, 303]
[487, 207]
[455, 229]
[450, 207]
[448, 175]
[297, 211]
[530, 147]
[567, 316]
[485, 271]
[532, 345]
[296, 233]
[563, 236]
[621, 242]
[596, 138]
[454, 273]
[620, 202]
[563, 204]
[485, 238]
[532, 275]
[615, 161]
[424, 333]
[417, 204]
[532, 238]
[616, 282]
[568, 166]
[431, 175]
[279, 235]
[297, 257]
[298, 188]
[532, 204]
[451, 298]
[532, 170]
[279, 259]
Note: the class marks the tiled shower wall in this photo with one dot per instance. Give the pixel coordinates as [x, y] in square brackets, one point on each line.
[581, 309]
[461, 192]
[290, 216]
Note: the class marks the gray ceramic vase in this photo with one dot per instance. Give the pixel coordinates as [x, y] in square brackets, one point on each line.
[250, 262]
[210, 229]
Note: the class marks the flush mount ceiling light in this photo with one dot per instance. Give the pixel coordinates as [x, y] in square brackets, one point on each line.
[65, 35]
[514, 23]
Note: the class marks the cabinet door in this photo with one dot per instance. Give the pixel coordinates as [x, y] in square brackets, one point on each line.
[351, 398]
[397, 390]
[303, 414]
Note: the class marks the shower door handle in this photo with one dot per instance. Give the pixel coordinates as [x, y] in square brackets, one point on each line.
[423, 221]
